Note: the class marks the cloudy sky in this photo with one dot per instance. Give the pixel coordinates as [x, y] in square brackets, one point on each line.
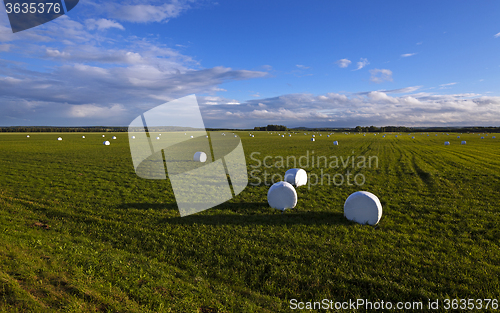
[253, 63]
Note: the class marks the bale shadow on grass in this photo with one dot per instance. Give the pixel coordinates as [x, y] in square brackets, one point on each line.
[252, 213]
[271, 219]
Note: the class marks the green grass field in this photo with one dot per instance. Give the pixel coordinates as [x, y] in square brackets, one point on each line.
[81, 232]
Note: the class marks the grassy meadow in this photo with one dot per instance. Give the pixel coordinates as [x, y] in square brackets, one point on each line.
[81, 232]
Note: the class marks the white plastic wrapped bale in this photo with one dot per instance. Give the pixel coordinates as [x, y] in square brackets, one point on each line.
[102, 136]
[106, 143]
[464, 142]
[313, 135]
[200, 157]
[296, 177]
[59, 138]
[157, 138]
[312, 139]
[493, 137]
[133, 137]
[83, 137]
[412, 137]
[28, 136]
[335, 143]
[282, 196]
[363, 207]
[191, 137]
[114, 137]
[446, 143]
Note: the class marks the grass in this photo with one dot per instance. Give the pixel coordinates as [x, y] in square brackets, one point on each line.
[81, 232]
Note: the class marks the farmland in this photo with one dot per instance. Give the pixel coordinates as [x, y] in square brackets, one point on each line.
[81, 232]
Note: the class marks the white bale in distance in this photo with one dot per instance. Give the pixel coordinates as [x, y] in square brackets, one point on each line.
[83, 137]
[192, 136]
[327, 135]
[335, 143]
[106, 143]
[463, 142]
[102, 136]
[59, 138]
[28, 136]
[253, 136]
[200, 157]
[412, 137]
[363, 207]
[458, 137]
[396, 136]
[313, 135]
[282, 196]
[159, 134]
[133, 137]
[157, 138]
[312, 139]
[283, 136]
[446, 143]
[296, 177]
[114, 137]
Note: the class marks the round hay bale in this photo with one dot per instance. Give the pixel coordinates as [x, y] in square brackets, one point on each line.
[282, 196]
[493, 137]
[133, 137]
[313, 136]
[200, 157]
[59, 138]
[157, 138]
[312, 139]
[463, 142]
[192, 137]
[28, 136]
[106, 143]
[363, 207]
[482, 137]
[412, 137]
[335, 143]
[102, 136]
[253, 136]
[296, 177]
[114, 137]
[83, 137]
[446, 143]
[458, 137]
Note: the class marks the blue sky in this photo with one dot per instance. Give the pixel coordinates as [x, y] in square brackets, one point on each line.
[253, 63]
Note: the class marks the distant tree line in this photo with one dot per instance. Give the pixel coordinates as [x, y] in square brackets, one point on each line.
[364, 129]
[271, 128]
[44, 129]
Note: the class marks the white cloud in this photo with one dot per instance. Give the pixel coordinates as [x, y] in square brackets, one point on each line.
[5, 47]
[102, 24]
[303, 67]
[497, 35]
[380, 75]
[444, 86]
[343, 63]
[408, 55]
[362, 63]
[146, 13]
[369, 108]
